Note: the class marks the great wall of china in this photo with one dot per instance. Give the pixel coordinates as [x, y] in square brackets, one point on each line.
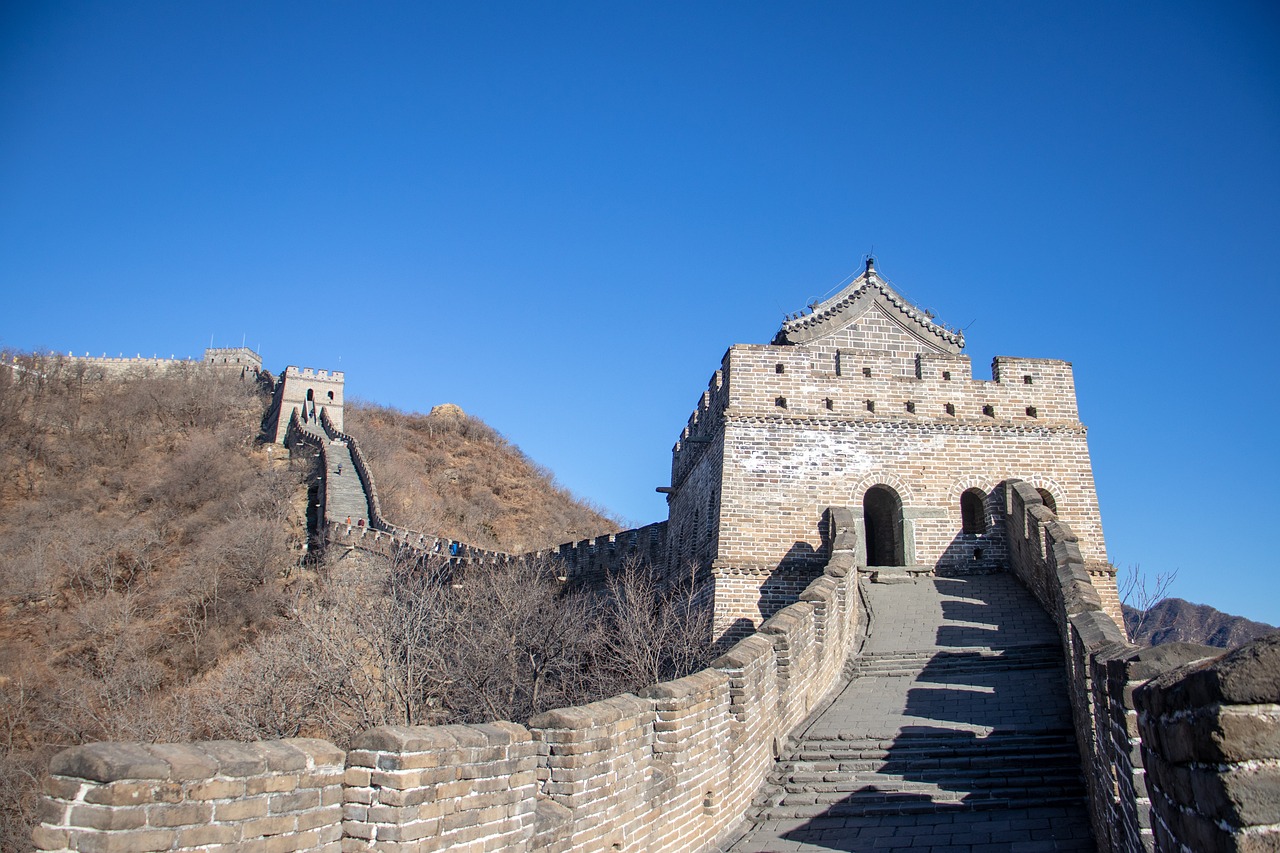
[920, 638]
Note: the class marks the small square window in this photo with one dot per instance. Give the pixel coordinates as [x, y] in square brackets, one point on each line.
[1031, 411]
[780, 402]
[951, 408]
[866, 371]
[989, 411]
[911, 407]
[1026, 379]
[946, 375]
[871, 405]
[828, 404]
[779, 368]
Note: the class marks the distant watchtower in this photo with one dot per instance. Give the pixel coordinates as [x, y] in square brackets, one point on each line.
[310, 392]
[238, 357]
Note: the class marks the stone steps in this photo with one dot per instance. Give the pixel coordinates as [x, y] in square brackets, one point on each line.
[909, 772]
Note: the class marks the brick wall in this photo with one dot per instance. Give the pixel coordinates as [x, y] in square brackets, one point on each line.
[1104, 677]
[1211, 743]
[266, 797]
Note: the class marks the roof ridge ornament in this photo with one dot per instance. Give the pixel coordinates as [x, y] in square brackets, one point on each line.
[803, 327]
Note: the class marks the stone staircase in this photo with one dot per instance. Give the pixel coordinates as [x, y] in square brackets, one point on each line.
[344, 495]
[952, 732]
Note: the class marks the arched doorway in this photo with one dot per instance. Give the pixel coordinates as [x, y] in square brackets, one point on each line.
[1049, 503]
[882, 521]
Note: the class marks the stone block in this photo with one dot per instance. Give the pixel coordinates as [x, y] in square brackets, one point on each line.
[141, 841]
[294, 801]
[186, 761]
[240, 809]
[48, 838]
[236, 759]
[319, 752]
[274, 825]
[398, 739]
[216, 789]
[179, 814]
[209, 835]
[109, 762]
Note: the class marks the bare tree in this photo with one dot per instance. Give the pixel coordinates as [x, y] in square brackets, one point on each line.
[649, 632]
[1139, 592]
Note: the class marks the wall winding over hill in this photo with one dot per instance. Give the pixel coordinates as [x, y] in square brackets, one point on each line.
[673, 768]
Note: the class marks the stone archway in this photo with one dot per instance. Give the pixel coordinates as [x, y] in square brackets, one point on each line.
[882, 523]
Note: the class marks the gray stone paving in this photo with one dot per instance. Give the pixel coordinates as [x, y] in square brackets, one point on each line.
[953, 734]
[344, 496]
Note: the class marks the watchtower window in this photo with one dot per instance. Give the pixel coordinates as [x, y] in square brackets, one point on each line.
[946, 375]
[951, 408]
[1031, 411]
[828, 404]
[779, 368]
[973, 511]
[311, 395]
[780, 402]
[330, 396]
[911, 406]
[989, 411]
[871, 405]
[866, 371]
[1026, 379]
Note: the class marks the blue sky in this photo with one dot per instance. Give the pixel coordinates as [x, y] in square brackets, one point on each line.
[559, 216]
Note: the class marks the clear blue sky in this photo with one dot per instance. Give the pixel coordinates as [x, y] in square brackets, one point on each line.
[559, 216]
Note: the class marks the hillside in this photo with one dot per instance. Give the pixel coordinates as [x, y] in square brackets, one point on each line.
[451, 474]
[1176, 620]
[153, 555]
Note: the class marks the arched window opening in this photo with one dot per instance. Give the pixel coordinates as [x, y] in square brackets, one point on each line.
[311, 395]
[973, 511]
[1048, 500]
[882, 518]
[330, 396]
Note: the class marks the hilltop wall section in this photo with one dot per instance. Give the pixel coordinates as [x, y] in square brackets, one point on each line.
[673, 768]
[243, 359]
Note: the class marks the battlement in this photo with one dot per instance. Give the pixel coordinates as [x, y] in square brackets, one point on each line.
[312, 374]
[871, 385]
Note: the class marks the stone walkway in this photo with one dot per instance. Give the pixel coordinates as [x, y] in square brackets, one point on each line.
[953, 735]
[344, 496]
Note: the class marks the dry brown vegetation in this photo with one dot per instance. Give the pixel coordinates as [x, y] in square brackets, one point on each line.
[453, 475]
[154, 585]
[143, 538]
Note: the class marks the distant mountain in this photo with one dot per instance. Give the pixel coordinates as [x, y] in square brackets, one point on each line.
[1174, 620]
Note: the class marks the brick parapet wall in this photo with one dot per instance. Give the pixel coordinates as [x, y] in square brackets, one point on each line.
[1103, 669]
[672, 769]
[1211, 745]
[267, 797]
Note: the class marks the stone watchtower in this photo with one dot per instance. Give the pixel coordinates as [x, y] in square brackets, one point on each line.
[241, 358]
[310, 392]
[865, 402]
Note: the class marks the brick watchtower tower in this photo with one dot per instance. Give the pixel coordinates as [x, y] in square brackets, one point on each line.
[865, 402]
